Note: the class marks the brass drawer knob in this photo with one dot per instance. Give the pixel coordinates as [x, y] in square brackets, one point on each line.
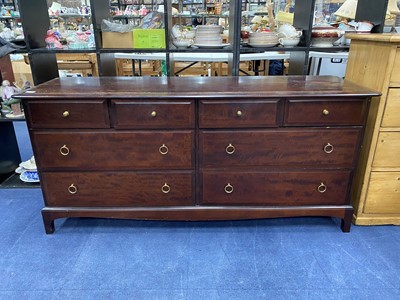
[322, 188]
[239, 113]
[64, 150]
[325, 112]
[65, 113]
[154, 114]
[165, 188]
[72, 189]
[328, 148]
[230, 149]
[163, 149]
[228, 188]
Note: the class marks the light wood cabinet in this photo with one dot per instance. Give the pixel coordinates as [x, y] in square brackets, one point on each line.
[374, 62]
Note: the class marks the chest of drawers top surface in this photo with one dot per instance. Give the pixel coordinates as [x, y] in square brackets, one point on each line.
[196, 87]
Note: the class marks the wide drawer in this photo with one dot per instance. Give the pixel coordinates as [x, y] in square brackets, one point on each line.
[325, 112]
[328, 148]
[392, 109]
[68, 114]
[153, 114]
[110, 150]
[387, 153]
[227, 114]
[383, 193]
[117, 189]
[275, 188]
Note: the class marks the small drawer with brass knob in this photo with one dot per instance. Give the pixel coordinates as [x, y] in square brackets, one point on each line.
[79, 113]
[325, 111]
[153, 114]
[236, 114]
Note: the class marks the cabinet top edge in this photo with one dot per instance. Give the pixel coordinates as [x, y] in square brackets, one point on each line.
[196, 87]
[375, 37]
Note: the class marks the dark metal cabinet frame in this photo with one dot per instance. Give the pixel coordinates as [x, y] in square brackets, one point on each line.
[44, 65]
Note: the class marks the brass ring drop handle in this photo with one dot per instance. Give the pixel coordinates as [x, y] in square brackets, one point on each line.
[64, 150]
[322, 188]
[163, 149]
[154, 114]
[328, 148]
[72, 189]
[228, 188]
[239, 113]
[165, 188]
[230, 149]
[65, 113]
[325, 112]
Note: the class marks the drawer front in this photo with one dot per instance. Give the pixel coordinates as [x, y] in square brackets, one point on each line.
[392, 109]
[117, 189]
[387, 153]
[295, 148]
[153, 114]
[395, 78]
[325, 112]
[108, 150]
[68, 114]
[275, 188]
[383, 193]
[221, 114]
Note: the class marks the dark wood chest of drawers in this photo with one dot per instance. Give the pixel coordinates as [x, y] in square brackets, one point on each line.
[196, 148]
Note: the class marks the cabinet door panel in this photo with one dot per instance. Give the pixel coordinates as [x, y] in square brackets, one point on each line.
[108, 150]
[327, 148]
[325, 112]
[68, 114]
[153, 114]
[229, 114]
[109, 189]
[275, 188]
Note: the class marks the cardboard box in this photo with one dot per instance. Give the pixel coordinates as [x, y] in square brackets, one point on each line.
[117, 40]
[149, 38]
[22, 72]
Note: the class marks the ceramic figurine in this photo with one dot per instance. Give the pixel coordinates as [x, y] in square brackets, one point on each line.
[52, 40]
[9, 103]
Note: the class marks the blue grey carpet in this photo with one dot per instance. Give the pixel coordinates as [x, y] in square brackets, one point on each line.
[293, 258]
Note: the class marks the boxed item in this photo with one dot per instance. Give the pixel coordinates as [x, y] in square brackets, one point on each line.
[115, 35]
[149, 38]
[117, 39]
